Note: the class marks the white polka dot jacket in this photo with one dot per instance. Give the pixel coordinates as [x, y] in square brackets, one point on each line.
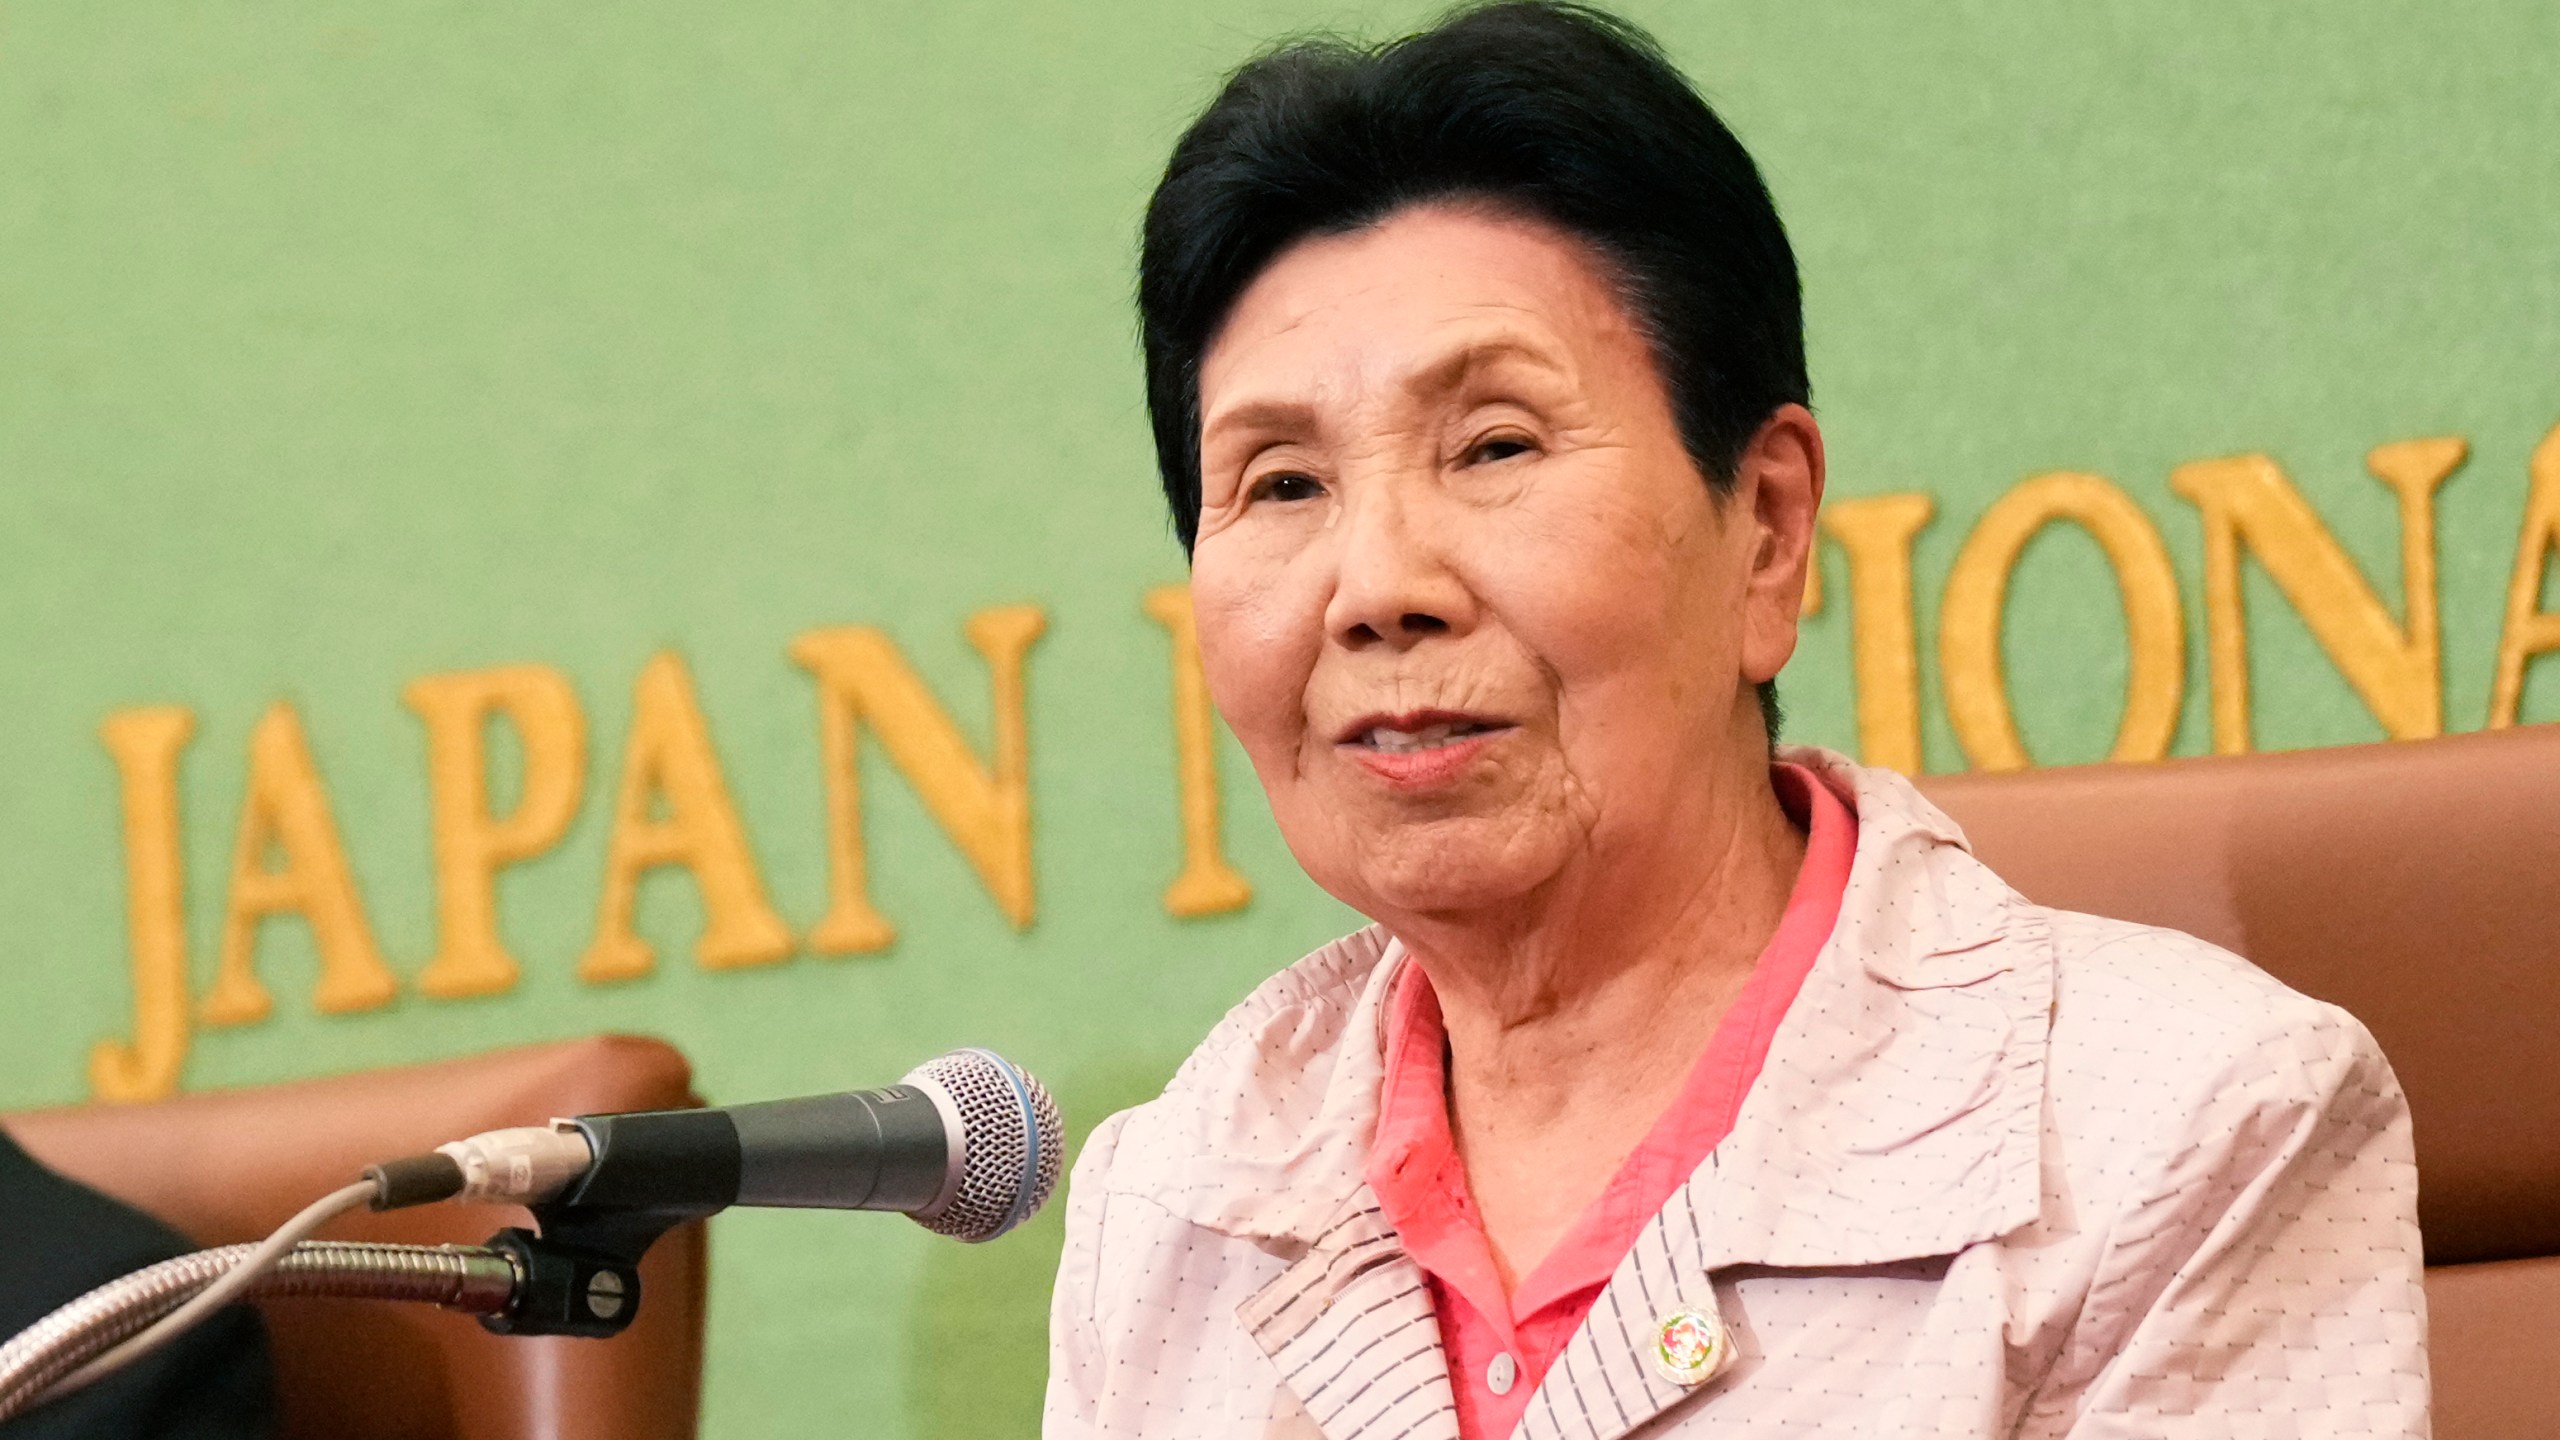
[2007, 1171]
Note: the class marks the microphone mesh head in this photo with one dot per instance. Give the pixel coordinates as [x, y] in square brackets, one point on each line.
[1016, 1144]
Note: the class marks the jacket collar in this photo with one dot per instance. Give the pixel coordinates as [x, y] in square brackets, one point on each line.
[1264, 1132]
[1899, 1112]
[1351, 1329]
[1912, 1057]
[1898, 1115]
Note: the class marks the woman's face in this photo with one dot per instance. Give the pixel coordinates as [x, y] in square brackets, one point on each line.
[1461, 592]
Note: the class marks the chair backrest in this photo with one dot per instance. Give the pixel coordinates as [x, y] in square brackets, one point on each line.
[2416, 884]
[227, 1166]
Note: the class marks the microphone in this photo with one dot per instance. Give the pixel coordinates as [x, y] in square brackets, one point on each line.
[968, 1145]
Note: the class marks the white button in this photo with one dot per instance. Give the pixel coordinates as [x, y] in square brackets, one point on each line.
[1502, 1374]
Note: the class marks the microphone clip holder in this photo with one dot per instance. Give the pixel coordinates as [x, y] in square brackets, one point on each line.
[579, 1273]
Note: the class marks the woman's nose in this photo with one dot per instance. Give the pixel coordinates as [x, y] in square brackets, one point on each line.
[1394, 586]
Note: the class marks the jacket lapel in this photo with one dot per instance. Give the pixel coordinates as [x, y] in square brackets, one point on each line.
[1897, 1116]
[1271, 1153]
[1350, 1328]
[1899, 1113]
[1603, 1386]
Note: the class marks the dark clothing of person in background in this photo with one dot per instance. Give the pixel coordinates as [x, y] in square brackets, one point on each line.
[60, 1239]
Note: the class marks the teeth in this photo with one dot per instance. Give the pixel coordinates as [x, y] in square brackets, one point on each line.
[1429, 737]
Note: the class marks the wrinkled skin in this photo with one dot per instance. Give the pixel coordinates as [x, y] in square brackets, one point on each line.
[1490, 640]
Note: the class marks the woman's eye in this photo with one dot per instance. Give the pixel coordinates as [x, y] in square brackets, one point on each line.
[1504, 447]
[1287, 485]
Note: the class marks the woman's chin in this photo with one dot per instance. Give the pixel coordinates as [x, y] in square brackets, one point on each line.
[1445, 872]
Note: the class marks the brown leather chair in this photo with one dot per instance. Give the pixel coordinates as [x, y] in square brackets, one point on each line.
[2417, 885]
[228, 1166]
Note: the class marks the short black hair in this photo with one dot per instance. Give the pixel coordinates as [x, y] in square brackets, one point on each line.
[1553, 110]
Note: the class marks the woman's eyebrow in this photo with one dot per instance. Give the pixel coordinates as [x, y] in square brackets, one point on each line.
[1268, 416]
[1452, 370]
[1433, 378]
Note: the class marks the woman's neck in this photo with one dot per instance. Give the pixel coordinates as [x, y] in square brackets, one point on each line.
[1575, 1017]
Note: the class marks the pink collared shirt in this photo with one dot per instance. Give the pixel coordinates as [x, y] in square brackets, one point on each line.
[1501, 1346]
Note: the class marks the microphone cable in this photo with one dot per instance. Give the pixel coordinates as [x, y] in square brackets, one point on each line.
[247, 1272]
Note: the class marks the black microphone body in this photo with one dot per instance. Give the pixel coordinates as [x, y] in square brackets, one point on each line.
[887, 1149]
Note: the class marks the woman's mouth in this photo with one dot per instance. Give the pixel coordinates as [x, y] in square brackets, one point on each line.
[1420, 748]
[1430, 737]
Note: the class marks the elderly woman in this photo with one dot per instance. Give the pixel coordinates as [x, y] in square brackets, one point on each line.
[1683, 1085]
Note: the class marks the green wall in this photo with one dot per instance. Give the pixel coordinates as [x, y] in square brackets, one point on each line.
[340, 346]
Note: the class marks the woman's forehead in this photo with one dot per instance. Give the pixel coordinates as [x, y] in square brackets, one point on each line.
[1415, 303]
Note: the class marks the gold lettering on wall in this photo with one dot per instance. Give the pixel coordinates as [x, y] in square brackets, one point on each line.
[2529, 630]
[2247, 502]
[1971, 615]
[985, 809]
[1207, 884]
[286, 810]
[673, 805]
[146, 743]
[471, 844]
[669, 766]
[1877, 533]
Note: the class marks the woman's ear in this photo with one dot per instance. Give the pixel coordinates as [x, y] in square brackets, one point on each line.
[1779, 476]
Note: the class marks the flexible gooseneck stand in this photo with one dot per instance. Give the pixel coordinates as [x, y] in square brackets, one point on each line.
[579, 1274]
